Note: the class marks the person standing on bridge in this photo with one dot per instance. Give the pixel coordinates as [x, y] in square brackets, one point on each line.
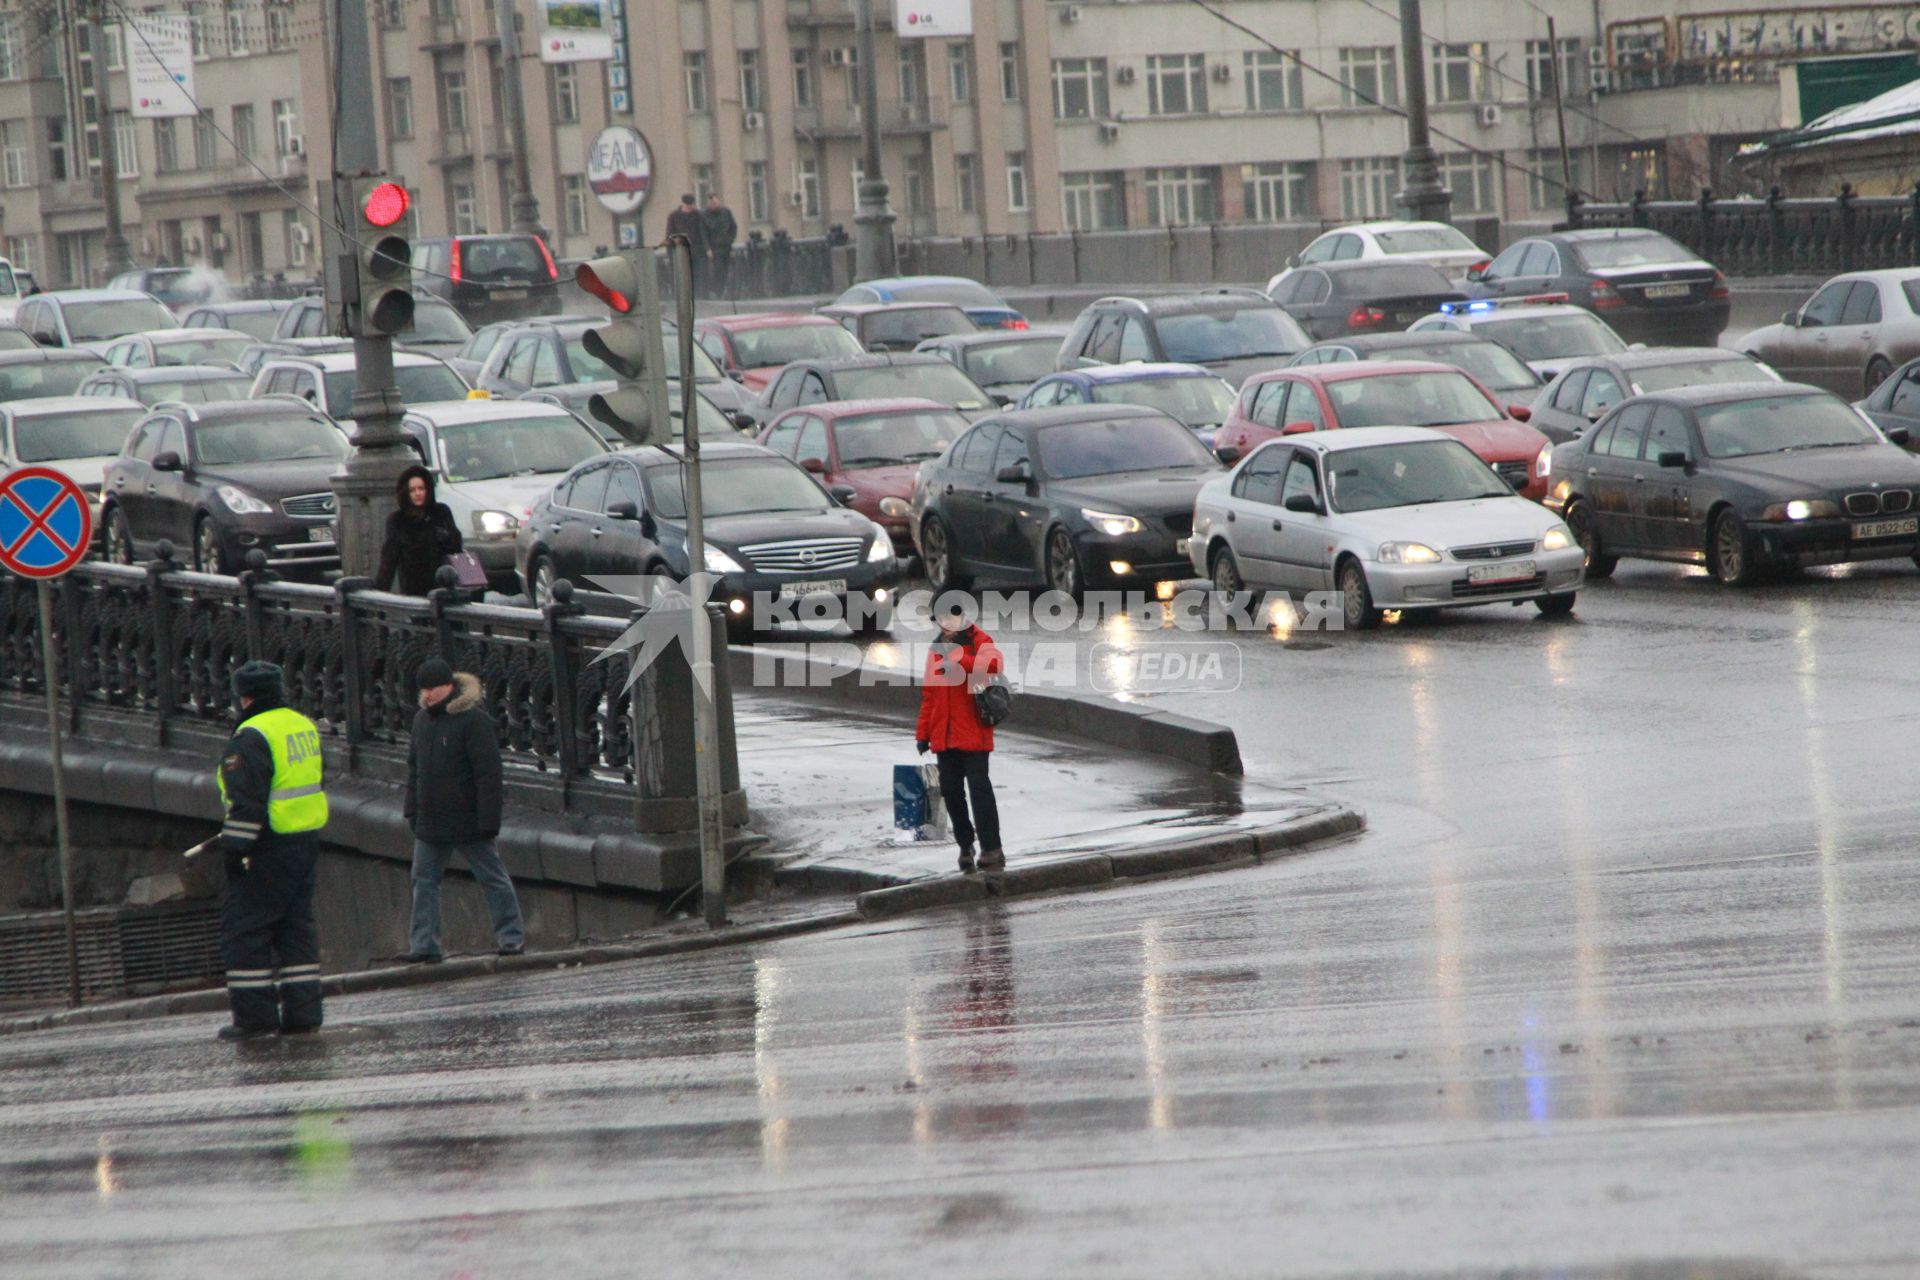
[686, 221]
[273, 786]
[721, 229]
[421, 534]
[453, 806]
[958, 666]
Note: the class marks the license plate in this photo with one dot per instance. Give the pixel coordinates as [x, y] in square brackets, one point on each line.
[1510, 571]
[509, 295]
[1407, 317]
[816, 587]
[1887, 528]
[1668, 290]
[320, 533]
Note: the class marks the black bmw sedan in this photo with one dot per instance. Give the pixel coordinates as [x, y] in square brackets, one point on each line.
[1739, 478]
[1077, 496]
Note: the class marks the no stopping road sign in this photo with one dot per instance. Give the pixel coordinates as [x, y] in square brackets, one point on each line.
[46, 523]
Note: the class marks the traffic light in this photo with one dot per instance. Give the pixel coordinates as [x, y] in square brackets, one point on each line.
[382, 258]
[632, 345]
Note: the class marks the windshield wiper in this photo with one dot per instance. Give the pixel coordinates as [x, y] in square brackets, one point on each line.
[1827, 444]
[921, 455]
[872, 460]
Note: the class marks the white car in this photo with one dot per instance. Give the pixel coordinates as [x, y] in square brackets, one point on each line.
[1391, 517]
[74, 435]
[326, 380]
[1434, 243]
[1545, 330]
[491, 461]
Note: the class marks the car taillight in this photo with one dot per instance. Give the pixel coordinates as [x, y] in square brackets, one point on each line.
[1605, 295]
[553, 272]
[1481, 265]
[1363, 317]
[1719, 288]
[453, 262]
[1015, 323]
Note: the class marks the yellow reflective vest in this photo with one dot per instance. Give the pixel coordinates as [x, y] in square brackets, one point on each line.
[297, 801]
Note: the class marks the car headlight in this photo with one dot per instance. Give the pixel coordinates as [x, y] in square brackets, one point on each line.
[895, 507]
[881, 549]
[1543, 465]
[242, 503]
[495, 524]
[1802, 509]
[1408, 553]
[1558, 538]
[719, 561]
[1111, 523]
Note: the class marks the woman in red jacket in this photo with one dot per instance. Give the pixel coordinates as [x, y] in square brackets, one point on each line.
[958, 664]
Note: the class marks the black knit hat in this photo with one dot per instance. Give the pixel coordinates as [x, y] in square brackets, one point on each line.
[258, 680]
[433, 673]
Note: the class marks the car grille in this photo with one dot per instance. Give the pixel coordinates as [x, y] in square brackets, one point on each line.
[1181, 523]
[803, 555]
[311, 505]
[1514, 471]
[1892, 502]
[1492, 551]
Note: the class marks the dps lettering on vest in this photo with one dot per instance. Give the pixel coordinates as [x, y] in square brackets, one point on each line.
[297, 801]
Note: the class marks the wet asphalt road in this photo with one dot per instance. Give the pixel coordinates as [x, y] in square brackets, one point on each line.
[1621, 983]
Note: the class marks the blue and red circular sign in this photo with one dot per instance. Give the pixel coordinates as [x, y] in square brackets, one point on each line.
[46, 523]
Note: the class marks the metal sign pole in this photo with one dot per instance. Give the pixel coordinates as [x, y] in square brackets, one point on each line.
[52, 677]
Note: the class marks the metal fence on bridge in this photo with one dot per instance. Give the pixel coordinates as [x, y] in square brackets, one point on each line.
[1777, 236]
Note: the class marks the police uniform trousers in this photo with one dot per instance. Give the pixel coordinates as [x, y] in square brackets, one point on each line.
[268, 935]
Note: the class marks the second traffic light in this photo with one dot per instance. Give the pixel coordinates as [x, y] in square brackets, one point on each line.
[631, 343]
[382, 258]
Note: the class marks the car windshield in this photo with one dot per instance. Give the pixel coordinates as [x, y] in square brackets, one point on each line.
[1006, 363]
[1781, 424]
[1554, 337]
[1405, 475]
[225, 347]
[961, 293]
[258, 325]
[769, 348]
[95, 321]
[282, 440]
[586, 366]
[1076, 449]
[704, 369]
[35, 380]
[505, 258]
[434, 323]
[515, 447]
[1203, 336]
[1490, 362]
[1391, 280]
[418, 383]
[906, 329]
[1645, 250]
[735, 487]
[1440, 239]
[1410, 400]
[1704, 371]
[892, 439]
[197, 390]
[84, 433]
[936, 380]
[1197, 402]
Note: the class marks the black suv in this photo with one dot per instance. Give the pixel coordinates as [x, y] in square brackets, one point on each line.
[489, 278]
[1234, 332]
[220, 480]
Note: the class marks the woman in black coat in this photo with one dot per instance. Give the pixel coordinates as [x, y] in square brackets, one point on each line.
[420, 536]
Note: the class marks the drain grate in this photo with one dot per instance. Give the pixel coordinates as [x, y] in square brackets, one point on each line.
[122, 949]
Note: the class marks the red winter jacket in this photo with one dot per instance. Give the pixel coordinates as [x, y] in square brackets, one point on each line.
[948, 719]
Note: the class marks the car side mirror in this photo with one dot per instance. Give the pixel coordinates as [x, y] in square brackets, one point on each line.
[816, 465]
[1305, 503]
[1673, 458]
[1595, 415]
[1296, 429]
[168, 461]
[736, 375]
[1227, 455]
[844, 494]
[1015, 474]
[1519, 412]
[1791, 319]
[622, 510]
[1004, 401]
[744, 421]
[1898, 435]
[1293, 260]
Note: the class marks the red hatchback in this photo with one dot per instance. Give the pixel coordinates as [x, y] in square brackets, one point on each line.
[874, 446]
[1388, 393]
[753, 348]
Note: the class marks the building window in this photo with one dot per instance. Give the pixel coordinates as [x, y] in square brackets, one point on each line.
[1460, 72]
[1181, 195]
[399, 107]
[126, 146]
[1017, 181]
[206, 141]
[1370, 76]
[1472, 180]
[693, 69]
[1367, 187]
[279, 26]
[912, 79]
[1273, 81]
[10, 46]
[1546, 180]
[116, 48]
[566, 93]
[20, 252]
[393, 14]
[1010, 71]
[917, 184]
[853, 75]
[246, 139]
[197, 31]
[16, 153]
[497, 83]
[702, 183]
[573, 203]
[57, 148]
[286, 126]
[960, 71]
[803, 77]
[466, 210]
[1277, 192]
[809, 187]
[236, 30]
[966, 179]
[1540, 69]
[166, 147]
[293, 237]
[757, 191]
[453, 101]
[1176, 84]
[1079, 88]
[1093, 201]
[751, 99]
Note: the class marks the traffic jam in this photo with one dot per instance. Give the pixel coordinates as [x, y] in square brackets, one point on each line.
[1397, 417]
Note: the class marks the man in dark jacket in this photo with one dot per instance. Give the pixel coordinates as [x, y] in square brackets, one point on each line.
[420, 536]
[686, 221]
[721, 231]
[453, 806]
[959, 664]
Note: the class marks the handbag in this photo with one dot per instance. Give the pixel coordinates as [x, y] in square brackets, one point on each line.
[468, 573]
[993, 702]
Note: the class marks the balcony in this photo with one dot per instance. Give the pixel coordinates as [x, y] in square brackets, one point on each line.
[833, 13]
[452, 146]
[842, 119]
[446, 31]
[498, 139]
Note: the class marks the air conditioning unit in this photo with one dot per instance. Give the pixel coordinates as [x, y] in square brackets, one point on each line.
[302, 236]
[296, 145]
[1123, 74]
[1070, 13]
[798, 199]
[840, 56]
[753, 121]
[1597, 55]
[220, 242]
[1109, 131]
[1599, 79]
[1222, 72]
[1488, 115]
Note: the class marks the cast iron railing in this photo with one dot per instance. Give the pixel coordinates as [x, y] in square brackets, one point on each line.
[1776, 236]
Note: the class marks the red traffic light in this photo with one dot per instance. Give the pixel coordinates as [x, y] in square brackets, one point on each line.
[612, 280]
[386, 204]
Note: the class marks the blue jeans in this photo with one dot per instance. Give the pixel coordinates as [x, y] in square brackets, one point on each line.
[430, 864]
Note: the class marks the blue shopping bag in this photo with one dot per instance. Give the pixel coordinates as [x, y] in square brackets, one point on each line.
[916, 801]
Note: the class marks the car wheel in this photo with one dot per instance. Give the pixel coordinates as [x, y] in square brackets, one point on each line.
[206, 547]
[540, 580]
[1729, 554]
[1580, 522]
[1877, 370]
[1555, 606]
[1062, 568]
[119, 539]
[937, 549]
[1227, 581]
[1356, 598]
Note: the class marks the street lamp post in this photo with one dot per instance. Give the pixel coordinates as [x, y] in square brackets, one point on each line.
[119, 252]
[524, 206]
[1422, 195]
[873, 255]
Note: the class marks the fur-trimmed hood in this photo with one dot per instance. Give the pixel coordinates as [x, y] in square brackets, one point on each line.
[466, 695]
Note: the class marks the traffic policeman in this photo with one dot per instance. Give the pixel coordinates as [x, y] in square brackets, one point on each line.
[271, 783]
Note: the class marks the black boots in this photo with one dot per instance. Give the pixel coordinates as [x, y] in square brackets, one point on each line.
[993, 860]
[966, 858]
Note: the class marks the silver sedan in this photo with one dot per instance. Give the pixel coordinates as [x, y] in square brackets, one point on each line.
[1849, 336]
